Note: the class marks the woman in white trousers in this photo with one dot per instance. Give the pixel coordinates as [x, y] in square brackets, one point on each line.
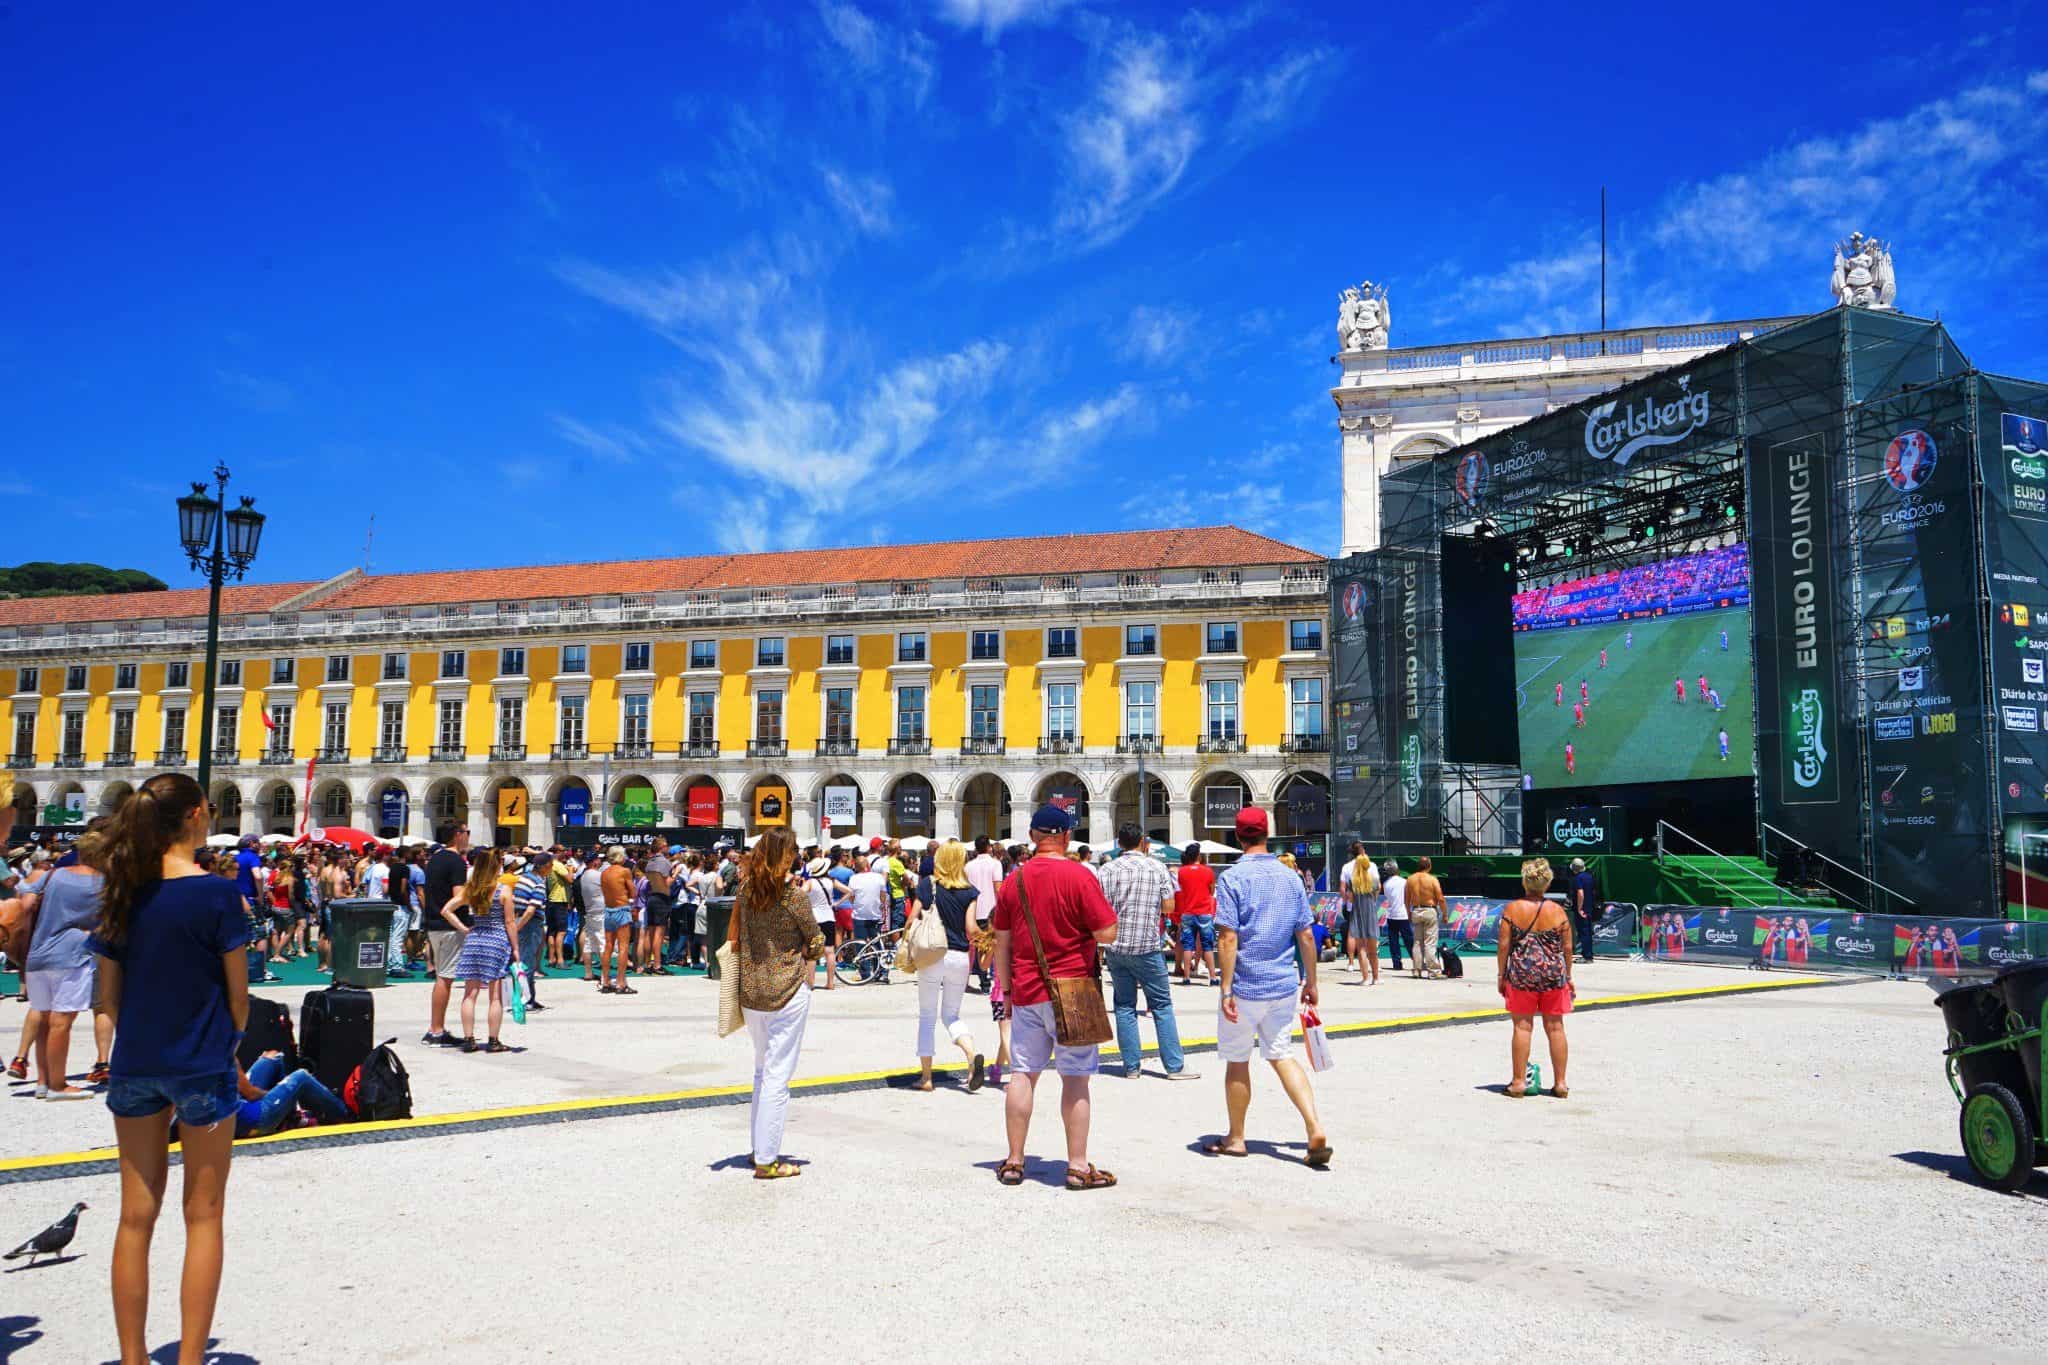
[777, 943]
[940, 984]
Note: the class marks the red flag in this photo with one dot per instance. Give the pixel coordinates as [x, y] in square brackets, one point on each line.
[306, 806]
[268, 723]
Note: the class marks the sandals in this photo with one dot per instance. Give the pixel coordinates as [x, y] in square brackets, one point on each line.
[18, 1068]
[495, 1046]
[99, 1075]
[625, 990]
[470, 1045]
[1319, 1157]
[777, 1170]
[1217, 1148]
[1010, 1173]
[1512, 1093]
[607, 990]
[977, 1075]
[1560, 1092]
[1090, 1179]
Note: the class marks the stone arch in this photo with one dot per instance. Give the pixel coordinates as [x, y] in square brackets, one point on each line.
[910, 781]
[1312, 827]
[1198, 798]
[817, 802]
[113, 795]
[227, 807]
[1422, 446]
[682, 800]
[1154, 818]
[986, 804]
[760, 779]
[26, 808]
[508, 836]
[373, 809]
[277, 808]
[334, 805]
[447, 803]
[1066, 782]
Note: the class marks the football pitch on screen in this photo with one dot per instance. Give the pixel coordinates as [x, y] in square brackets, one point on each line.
[1635, 730]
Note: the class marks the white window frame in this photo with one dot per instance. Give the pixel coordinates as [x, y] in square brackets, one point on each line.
[1152, 626]
[512, 707]
[328, 738]
[385, 740]
[852, 651]
[646, 664]
[994, 658]
[184, 718]
[582, 668]
[461, 658]
[348, 668]
[646, 699]
[1321, 628]
[852, 735]
[1074, 657]
[1235, 705]
[781, 734]
[384, 673]
[689, 715]
[441, 714]
[1151, 731]
[577, 705]
[924, 710]
[1295, 703]
[1236, 636]
[504, 657]
[997, 688]
[1052, 689]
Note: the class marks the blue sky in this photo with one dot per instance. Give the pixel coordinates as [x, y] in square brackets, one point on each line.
[543, 282]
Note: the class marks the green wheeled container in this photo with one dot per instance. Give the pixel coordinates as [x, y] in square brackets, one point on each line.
[360, 941]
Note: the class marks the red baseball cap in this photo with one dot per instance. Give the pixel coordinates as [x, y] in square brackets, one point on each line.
[874, 843]
[1251, 825]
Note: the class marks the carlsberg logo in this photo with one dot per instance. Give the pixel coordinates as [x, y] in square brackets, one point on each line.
[1809, 749]
[1411, 770]
[1616, 433]
[1575, 834]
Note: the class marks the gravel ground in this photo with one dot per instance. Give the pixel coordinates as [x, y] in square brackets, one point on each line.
[1757, 1178]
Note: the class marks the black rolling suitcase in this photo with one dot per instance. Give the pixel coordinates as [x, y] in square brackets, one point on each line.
[337, 1029]
[270, 1030]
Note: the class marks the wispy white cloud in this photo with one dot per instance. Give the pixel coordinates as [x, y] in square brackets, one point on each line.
[527, 158]
[872, 62]
[254, 392]
[615, 444]
[1154, 332]
[1953, 184]
[992, 17]
[868, 202]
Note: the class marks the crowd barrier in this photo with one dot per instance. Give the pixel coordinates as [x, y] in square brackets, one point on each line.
[1931, 946]
[1474, 922]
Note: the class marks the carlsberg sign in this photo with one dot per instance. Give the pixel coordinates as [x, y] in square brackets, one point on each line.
[1616, 432]
[1805, 738]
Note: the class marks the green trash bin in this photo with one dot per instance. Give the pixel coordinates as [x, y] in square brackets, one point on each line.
[717, 922]
[360, 933]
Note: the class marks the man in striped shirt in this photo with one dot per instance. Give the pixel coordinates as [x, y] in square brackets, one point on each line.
[1137, 887]
[529, 918]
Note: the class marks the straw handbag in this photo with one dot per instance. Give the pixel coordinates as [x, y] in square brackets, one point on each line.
[730, 1019]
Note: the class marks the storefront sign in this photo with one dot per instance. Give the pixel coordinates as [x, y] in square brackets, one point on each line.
[913, 806]
[704, 804]
[573, 807]
[391, 809]
[1221, 801]
[636, 807]
[512, 806]
[841, 807]
[771, 804]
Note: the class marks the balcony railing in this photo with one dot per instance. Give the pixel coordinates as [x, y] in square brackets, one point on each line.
[68, 761]
[700, 748]
[508, 753]
[389, 753]
[899, 748]
[273, 757]
[1064, 744]
[227, 758]
[1220, 744]
[1305, 744]
[570, 753]
[450, 753]
[120, 758]
[983, 744]
[837, 748]
[639, 749]
[334, 753]
[171, 758]
[21, 760]
[1138, 744]
[767, 748]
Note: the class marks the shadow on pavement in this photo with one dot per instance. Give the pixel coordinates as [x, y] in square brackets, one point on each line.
[17, 1333]
[1957, 1167]
[1052, 1174]
[44, 1264]
[1273, 1151]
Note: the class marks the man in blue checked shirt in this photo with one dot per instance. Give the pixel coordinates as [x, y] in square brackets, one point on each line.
[1265, 948]
[1137, 887]
[529, 909]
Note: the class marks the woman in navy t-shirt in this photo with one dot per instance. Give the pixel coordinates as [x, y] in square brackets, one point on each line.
[175, 979]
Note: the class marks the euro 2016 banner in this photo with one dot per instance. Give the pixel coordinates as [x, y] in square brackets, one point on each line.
[1387, 701]
[1919, 647]
[1805, 937]
[2012, 446]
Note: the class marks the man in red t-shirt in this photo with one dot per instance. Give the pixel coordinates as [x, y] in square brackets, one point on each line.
[1196, 906]
[1073, 920]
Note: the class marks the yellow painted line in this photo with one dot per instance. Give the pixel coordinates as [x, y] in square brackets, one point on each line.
[463, 1118]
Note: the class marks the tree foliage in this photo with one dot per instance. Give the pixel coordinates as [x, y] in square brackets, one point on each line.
[41, 578]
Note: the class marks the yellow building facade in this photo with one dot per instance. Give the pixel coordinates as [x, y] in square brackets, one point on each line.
[942, 690]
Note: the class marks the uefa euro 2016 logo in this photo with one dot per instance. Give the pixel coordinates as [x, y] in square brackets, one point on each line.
[1354, 600]
[1909, 460]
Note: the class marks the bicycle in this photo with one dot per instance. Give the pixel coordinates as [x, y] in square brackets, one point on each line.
[868, 959]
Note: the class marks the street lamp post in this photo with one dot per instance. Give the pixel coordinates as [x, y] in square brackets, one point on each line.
[221, 547]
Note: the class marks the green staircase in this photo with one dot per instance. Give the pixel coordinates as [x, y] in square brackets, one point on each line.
[1706, 879]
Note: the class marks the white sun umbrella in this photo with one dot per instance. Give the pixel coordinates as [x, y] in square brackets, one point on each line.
[223, 840]
[414, 841]
[916, 843]
[752, 839]
[273, 840]
[850, 841]
[1214, 849]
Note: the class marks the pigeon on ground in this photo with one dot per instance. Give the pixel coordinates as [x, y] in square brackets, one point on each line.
[51, 1240]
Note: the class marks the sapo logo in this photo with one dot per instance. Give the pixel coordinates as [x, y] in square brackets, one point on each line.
[1809, 747]
[1411, 770]
[1573, 833]
[1616, 433]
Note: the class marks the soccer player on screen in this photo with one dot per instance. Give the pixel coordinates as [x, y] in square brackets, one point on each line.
[1579, 714]
[1724, 640]
[1571, 762]
[1679, 685]
[1714, 699]
[1628, 641]
[1584, 695]
[1560, 694]
[1724, 744]
[1603, 658]
[1703, 687]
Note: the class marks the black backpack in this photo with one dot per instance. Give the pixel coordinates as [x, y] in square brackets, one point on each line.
[1453, 965]
[379, 1088]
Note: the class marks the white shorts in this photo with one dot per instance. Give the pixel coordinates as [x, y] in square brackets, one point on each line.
[65, 991]
[1032, 1045]
[1268, 1024]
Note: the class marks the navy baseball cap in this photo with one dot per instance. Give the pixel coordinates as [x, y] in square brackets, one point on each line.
[1052, 819]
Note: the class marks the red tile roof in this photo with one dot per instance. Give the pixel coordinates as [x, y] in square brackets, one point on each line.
[176, 604]
[1113, 551]
[1197, 547]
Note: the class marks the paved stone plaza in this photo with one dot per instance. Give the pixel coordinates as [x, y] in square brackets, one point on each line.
[1763, 1175]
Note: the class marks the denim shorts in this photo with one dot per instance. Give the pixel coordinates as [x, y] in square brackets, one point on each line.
[201, 1101]
[619, 918]
[1198, 933]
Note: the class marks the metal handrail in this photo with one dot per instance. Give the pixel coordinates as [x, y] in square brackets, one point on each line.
[1870, 882]
[1734, 897]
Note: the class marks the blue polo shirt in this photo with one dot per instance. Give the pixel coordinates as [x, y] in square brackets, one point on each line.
[1267, 906]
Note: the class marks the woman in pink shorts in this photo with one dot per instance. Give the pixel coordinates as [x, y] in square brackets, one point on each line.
[1535, 970]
